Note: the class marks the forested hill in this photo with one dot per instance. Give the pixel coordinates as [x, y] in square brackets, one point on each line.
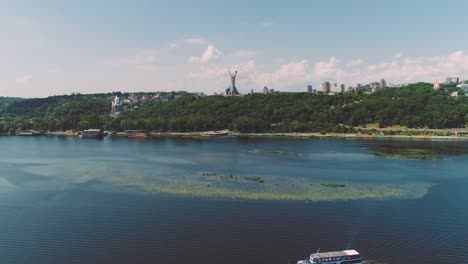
[55, 112]
[416, 106]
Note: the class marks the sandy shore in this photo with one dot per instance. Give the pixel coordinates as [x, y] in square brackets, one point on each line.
[297, 135]
[312, 135]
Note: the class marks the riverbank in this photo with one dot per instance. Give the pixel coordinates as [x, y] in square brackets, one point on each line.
[365, 134]
[317, 135]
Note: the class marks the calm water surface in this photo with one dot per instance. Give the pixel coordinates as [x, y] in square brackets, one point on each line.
[66, 200]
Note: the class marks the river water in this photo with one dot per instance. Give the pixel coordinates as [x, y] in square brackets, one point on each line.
[231, 200]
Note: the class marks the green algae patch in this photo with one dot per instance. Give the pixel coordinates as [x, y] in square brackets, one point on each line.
[267, 152]
[293, 190]
[333, 185]
[408, 153]
[254, 179]
[6, 184]
[174, 180]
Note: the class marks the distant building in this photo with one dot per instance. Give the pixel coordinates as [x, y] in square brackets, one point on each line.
[436, 85]
[272, 91]
[452, 80]
[334, 88]
[309, 88]
[383, 83]
[374, 86]
[265, 90]
[342, 88]
[325, 87]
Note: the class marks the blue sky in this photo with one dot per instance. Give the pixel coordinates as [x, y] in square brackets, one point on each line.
[59, 47]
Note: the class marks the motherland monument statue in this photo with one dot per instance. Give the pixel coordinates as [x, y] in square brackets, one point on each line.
[233, 89]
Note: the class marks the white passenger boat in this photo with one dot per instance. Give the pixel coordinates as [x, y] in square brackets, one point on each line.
[214, 133]
[350, 256]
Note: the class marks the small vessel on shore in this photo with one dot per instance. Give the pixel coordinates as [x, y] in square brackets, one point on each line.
[334, 257]
[214, 133]
[136, 133]
[29, 133]
[70, 133]
[92, 133]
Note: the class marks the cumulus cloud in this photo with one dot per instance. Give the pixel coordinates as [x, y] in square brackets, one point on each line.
[23, 79]
[397, 70]
[211, 53]
[217, 71]
[198, 41]
[355, 62]
[398, 55]
[293, 73]
[328, 69]
[244, 54]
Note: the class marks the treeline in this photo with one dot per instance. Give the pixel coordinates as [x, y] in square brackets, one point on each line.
[414, 106]
[55, 113]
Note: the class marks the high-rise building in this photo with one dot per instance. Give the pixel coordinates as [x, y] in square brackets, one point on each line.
[383, 83]
[342, 88]
[451, 80]
[436, 85]
[265, 90]
[309, 88]
[325, 87]
[272, 91]
[374, 86]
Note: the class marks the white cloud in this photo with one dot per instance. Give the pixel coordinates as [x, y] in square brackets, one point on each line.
[244, 54]
[211, 53]
[293, 73]
[24, 79]
[217, 71]
[402, 70]
[355, 62]
[197, 41]
[328, 69]
[250, 77]
[398, 55]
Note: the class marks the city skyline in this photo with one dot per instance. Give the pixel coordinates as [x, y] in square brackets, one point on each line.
[54, 47]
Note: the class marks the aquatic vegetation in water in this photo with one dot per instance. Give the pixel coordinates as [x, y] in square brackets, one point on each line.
[209, 174]
[276, 188]
[254, 179]
[260, 151]
[420, 150]
[408, 153]
[333, 185]
[6, 184]
[177, 181]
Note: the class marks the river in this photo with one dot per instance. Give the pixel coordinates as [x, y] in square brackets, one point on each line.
[231, 200]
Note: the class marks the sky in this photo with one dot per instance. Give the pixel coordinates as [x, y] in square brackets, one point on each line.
[59, 47]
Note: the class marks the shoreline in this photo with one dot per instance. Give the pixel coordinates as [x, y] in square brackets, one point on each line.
[285, 135]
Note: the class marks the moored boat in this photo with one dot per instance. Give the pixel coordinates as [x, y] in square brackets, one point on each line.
[136, 133]
[214, 133]
[349, 256]
[92, 133]
[29, 133]
[70, 133]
